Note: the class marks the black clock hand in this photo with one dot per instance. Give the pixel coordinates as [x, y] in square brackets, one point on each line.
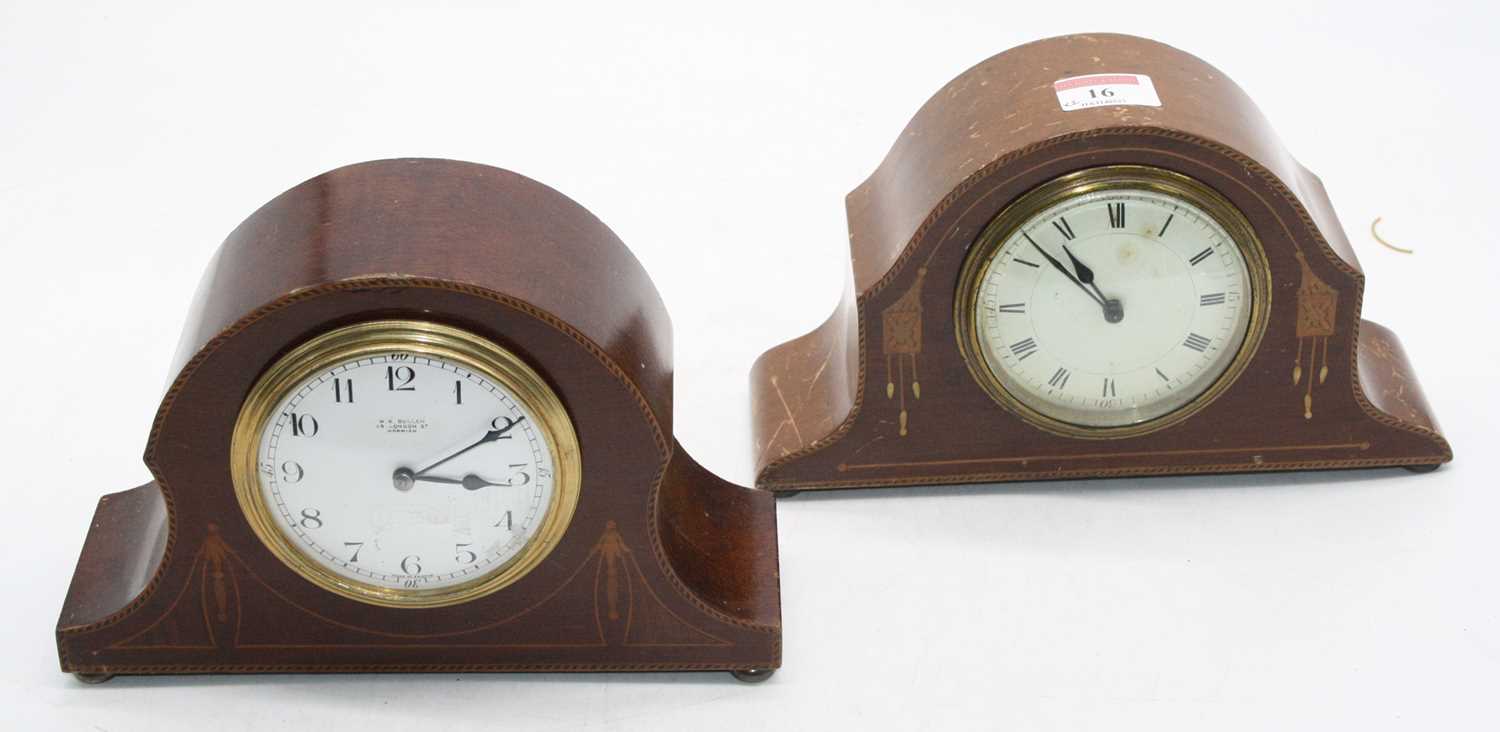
[1114, 312]
[1064, 270]
[469, 482]
[491, 436]
[473, 482]
[1085, 275]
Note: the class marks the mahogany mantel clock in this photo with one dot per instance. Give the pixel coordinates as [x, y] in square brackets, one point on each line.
[1089, 256]
[421, 421]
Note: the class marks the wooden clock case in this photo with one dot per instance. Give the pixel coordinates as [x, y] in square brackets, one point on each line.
[663, 567]
[879, 395]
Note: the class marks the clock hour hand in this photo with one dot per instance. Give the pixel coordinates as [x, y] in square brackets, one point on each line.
[469, 482]
[1114, 312]
[1059, 265]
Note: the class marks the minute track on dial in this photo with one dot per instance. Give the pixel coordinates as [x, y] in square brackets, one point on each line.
[1088, 374]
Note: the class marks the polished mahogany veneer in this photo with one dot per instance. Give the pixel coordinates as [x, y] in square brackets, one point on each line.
[663, 566]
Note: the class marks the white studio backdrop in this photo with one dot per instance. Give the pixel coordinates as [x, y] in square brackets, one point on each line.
[718, 141]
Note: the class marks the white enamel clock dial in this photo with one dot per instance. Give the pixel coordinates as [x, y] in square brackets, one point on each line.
[1112, 307]
[405, 472]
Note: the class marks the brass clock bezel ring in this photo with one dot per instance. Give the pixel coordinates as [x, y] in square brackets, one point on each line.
[1092, 180]
[430, 339]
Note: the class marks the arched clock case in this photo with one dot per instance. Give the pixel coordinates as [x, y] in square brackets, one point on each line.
[366, 320]
[982, 337]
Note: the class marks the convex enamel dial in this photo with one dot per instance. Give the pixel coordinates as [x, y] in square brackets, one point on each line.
[406, 463]
[1109, 299]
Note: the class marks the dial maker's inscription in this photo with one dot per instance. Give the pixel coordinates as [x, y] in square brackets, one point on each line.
[376, 470]
[401, 424]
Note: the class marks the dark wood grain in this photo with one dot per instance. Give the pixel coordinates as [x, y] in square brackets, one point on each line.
[640, 581]
[821, 414]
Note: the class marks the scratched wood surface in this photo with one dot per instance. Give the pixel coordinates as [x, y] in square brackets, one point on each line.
[879, 395]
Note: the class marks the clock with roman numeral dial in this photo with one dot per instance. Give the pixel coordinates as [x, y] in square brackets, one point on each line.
[1111, 301]
[405, 463]
[1145, 282]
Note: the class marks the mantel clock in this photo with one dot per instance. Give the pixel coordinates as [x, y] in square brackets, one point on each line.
[1089, 256]
[421, 421]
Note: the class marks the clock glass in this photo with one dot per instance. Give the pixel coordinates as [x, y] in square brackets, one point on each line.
[406, 464]
[1112, 301]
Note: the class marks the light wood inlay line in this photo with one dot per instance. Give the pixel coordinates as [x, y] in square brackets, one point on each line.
[1099, 455]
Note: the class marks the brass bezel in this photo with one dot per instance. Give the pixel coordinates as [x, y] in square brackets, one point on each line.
[374, 337]
[1091, 180]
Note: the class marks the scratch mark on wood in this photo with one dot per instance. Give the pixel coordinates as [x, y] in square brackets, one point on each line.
[790, 418]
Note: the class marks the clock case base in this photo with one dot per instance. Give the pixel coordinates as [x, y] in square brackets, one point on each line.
[198, 631]
[664, 567]
[879, 394]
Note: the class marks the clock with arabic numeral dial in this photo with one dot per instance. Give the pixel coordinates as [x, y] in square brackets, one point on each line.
[420, 421]
[1089, 256]
[406, 463]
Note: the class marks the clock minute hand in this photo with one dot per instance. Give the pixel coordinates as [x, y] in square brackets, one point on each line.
[490, 436]
[1059, 265]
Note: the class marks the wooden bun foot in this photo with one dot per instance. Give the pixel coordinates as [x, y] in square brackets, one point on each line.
[753, 675]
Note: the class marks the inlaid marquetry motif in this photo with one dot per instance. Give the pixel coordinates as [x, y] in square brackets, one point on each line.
[626, 608]
[626, 611]
[205, 613]
[901, 339]
[1317, 305]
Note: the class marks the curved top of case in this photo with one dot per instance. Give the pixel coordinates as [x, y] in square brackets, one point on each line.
[1006, 104]
[420, 218]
